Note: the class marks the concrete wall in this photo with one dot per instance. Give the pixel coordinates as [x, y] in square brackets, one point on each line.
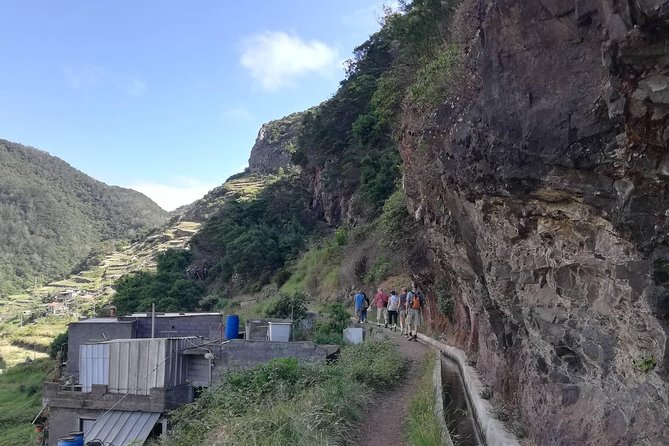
[67, 407]
[65, 420]
[82, 332]
[209, 326]
[243, 355]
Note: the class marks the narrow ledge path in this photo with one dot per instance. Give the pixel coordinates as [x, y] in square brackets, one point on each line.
[383, 423]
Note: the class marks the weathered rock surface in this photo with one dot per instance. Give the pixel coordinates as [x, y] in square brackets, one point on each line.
[276, 142]
[545, 205]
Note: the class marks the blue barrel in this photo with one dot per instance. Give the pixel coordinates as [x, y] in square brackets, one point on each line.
[79, 436]
[67, 441]
[232, 326]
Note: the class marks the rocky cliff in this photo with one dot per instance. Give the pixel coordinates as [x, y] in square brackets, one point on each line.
[275, 144]
[542, 187]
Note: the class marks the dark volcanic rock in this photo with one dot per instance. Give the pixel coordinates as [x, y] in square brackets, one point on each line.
[544, 198]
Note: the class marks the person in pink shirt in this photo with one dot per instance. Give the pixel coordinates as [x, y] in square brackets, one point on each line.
[381, 303]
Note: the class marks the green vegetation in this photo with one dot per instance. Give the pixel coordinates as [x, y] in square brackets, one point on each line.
[59, 345]
[318, 269]
[250, 241]
[429, 88]
[53, 216]
[329, 330]
[395, 222]
[169, 287]
[645, 364]
[20, 401]
[422, 426]
[287, 403]
[445, 301]
[287, 307]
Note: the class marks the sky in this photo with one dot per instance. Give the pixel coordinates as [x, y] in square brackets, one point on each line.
[167, 96]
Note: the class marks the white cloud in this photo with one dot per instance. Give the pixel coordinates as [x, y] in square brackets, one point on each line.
[170, 196]
[277, 59]
[236, 114]
[81, 78]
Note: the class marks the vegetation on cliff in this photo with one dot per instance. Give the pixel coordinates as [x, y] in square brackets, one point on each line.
[347, 148]
[52, 216]
[168, 287]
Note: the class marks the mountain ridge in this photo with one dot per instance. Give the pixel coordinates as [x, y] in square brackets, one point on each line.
[52, 215]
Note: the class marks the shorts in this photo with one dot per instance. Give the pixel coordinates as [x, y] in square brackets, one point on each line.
[414, 317]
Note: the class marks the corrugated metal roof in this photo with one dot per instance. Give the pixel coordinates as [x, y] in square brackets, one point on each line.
[121, 428]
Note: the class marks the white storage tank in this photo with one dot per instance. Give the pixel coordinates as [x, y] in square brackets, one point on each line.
[279, 331]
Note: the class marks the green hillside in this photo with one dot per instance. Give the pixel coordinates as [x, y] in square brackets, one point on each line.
[52, 216]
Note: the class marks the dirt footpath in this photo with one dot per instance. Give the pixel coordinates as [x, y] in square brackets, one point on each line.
[382, 426]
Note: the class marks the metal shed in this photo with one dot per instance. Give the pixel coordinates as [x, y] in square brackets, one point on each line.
[137, 365]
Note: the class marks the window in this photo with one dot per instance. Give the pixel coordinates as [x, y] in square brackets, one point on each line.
[85, 424]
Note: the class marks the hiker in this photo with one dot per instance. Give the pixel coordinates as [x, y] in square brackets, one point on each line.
[361, 303]
[365, 307]
[393, 310]
[415, 304]
[381, 304]
[403, 311]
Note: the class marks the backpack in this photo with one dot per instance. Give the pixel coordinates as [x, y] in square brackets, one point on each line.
[415, 301]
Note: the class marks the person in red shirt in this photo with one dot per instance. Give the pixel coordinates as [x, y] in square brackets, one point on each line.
[381, 303]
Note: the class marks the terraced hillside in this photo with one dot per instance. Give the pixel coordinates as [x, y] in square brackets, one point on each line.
[29, 321]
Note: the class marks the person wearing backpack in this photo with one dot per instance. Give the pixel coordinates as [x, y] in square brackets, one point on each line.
[415, 305]
[365, 307]
[393, 310]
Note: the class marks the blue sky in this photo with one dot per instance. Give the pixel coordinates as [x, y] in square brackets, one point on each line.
[163, 96]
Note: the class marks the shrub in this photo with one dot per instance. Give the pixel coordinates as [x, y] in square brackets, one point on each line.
[395, 221]
[288, 307]
[59, 344]
[329, 330]
[379, 271]
[445, 302]
[428, 90]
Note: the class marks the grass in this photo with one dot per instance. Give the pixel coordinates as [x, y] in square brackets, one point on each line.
[20, 401]
[422, 426]
[284, 402]
[317, 271]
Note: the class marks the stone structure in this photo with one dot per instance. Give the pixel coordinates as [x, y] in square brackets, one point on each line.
[240, 354]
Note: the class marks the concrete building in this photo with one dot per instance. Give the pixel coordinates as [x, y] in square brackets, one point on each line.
[134, 380]
[139, 325]
[121, 382]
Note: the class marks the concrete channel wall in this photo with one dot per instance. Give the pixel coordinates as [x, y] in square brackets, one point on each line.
[439, 401]
[492, 430]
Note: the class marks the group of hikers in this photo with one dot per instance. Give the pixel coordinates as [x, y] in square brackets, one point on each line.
[405, 309]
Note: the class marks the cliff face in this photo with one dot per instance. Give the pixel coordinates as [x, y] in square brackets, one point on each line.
[276, 142]
[542, 188]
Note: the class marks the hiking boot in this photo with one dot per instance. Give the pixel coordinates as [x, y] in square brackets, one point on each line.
[386, 326]
[415, 338]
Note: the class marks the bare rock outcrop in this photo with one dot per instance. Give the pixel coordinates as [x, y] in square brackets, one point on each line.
[542, 186]
[276, 142]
